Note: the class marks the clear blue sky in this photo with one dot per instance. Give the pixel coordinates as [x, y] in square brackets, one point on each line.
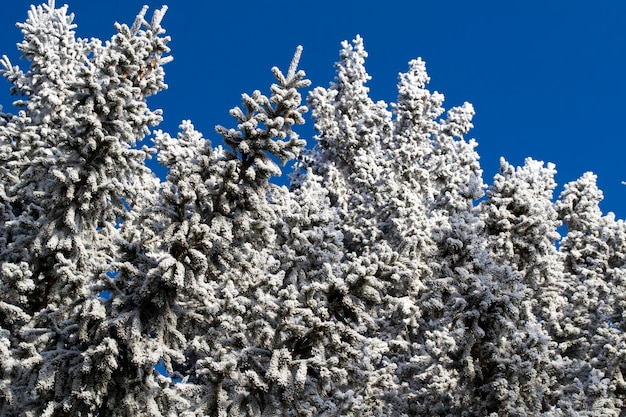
[547, 78]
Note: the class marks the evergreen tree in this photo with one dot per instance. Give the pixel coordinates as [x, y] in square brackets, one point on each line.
[82, 112]
[348, 161]
[592, 381]
[315, 311]
[521, 226]
[377, 284]
[473, 327]
[430, 377]
[213, 297]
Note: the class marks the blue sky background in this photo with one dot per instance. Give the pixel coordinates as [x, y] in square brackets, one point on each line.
[547, 78]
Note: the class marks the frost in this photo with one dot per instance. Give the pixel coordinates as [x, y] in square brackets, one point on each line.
[387, 280]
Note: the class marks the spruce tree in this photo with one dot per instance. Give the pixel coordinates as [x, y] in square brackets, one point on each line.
[383, 282]
[521, 228]
[213, 296]
[592, 382]
[522, 224]
[82, 111]
[351, 129]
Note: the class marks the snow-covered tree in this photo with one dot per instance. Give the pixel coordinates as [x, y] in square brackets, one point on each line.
[217, 285]
[593, 330]
[521, 227]
[82, 111]
[349, 162]
[320, 318]
[381, 283]
[471, 308]
[522, 224]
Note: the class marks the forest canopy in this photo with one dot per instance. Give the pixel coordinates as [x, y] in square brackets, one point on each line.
[388, 279]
